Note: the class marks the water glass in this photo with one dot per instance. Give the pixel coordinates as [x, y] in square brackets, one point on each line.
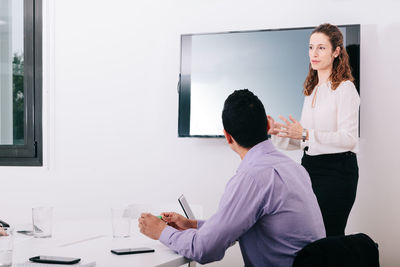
[121, 222]
[42, 220]
[6, 247]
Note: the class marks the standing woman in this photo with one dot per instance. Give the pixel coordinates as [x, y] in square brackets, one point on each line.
[328, 129]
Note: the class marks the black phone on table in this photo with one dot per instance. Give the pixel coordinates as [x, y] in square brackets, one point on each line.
[125, 251]
[55, 259]
[25, 232]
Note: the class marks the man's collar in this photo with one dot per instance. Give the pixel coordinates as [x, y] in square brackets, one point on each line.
[264, 147]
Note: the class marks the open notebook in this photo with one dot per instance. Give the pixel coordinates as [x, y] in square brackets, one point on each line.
[186, 208]
[35, 264]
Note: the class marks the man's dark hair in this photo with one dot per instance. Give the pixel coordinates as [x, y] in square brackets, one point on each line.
[244, 118]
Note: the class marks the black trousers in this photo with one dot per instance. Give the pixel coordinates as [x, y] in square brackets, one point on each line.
[334, 179]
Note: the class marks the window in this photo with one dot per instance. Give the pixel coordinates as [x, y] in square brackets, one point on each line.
[21, 83]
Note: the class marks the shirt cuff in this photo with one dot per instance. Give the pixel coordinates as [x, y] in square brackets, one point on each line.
[311, 136]
[166, 234]
[311, 139]
[200, 223]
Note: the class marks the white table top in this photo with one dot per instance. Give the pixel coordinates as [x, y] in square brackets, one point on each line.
[91, 240]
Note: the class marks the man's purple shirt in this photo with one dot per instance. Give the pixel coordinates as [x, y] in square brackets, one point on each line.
[268, 206]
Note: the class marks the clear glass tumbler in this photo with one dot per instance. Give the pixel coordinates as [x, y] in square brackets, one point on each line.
[121, 222]
[42, 220]
[6, 246]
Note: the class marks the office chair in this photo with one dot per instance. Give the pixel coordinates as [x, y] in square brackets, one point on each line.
[357, 250]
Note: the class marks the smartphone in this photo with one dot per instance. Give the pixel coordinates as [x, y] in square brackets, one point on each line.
[125, 251]
[25, 232]
[55, 260]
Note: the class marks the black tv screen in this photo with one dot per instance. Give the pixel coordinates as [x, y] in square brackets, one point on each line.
[273, 64]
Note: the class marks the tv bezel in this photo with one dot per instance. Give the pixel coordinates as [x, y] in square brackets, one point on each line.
[185, 82]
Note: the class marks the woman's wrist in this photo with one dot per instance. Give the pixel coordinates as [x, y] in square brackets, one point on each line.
[304, 135]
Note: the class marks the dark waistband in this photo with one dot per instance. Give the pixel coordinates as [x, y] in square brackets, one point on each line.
[331, 156]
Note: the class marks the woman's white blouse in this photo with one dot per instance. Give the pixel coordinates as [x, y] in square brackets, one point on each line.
[332, 123]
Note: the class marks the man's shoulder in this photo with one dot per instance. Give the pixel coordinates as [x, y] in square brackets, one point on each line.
[264, 162]
[272, 160]
[268, 164]
[280, 166]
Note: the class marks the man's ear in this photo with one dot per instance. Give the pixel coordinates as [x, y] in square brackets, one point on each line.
[228, 137]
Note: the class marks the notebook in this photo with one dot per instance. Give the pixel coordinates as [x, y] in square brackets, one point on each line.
[186, 208]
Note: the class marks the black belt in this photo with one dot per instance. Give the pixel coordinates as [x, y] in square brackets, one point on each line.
[333, 155]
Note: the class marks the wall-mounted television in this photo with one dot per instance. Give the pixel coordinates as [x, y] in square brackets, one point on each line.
[271, 63]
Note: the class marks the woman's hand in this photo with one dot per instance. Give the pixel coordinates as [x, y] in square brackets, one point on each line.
[273, 126]
[292, 129]
[178, 221]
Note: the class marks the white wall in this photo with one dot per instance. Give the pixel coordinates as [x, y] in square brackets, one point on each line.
[111, 70]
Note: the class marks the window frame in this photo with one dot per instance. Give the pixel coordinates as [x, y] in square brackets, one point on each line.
[31, 152]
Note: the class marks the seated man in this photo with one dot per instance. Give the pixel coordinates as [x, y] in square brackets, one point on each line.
[268, 205]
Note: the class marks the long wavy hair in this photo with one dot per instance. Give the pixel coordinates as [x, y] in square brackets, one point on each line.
[341, 70]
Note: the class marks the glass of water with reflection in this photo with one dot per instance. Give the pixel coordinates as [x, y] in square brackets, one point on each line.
[121, 222]
[6, 246]
[42, 219]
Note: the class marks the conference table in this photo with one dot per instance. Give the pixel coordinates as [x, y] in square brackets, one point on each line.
[91, 240]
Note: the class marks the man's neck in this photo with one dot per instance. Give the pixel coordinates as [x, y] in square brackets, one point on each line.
[242, 152]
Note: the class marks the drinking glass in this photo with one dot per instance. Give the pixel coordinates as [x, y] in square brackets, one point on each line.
[6, 247]
[121, 222]
[42, 219]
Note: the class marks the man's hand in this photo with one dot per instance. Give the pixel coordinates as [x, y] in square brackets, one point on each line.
[178, 221]
[151, 226]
